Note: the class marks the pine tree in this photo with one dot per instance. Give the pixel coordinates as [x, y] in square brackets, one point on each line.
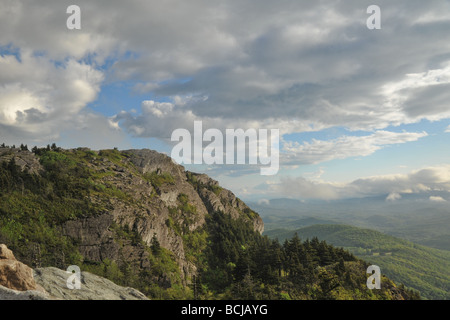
[324, 254]
[155, 245]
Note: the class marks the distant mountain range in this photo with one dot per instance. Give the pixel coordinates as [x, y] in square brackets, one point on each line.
[417, 227]
[413, 217]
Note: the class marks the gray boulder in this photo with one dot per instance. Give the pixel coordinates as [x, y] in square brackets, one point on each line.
[10, 294]
[92, 287]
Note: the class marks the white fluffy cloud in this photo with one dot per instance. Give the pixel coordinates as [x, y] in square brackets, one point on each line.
[393, 196]
[344, 147]
[40, 98]
[292, 65]
[431, 179]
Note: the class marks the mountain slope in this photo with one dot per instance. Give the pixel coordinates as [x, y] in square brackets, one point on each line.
[106, 210]
[422, 268]
[413, 217]
[137, 218]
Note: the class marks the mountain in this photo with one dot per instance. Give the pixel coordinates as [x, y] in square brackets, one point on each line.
[413, 217]
[140, 220]
[421, 268]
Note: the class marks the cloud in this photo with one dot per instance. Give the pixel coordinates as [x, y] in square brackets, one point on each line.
[94, 131]
[343, 147]
[39, 98]
[320, 66]
[392, 186]
[307, 189]
[294, 65]
[41, 28]
[165, 117]
[437, 199]
[393, 196]
[421, 95]
[263, 201]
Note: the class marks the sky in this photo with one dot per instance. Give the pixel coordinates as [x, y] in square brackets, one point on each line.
[361, 112]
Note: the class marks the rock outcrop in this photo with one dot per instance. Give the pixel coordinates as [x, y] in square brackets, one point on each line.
[143, 192]
[10, 294]
[20, 282]
[151, 208]
[25, 159]
[92, 287]
[5, 253]
[14, 274]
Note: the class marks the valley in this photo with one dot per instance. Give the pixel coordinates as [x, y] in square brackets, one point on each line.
[417, 266]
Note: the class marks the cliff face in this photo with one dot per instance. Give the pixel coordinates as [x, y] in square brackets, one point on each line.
[145, 193]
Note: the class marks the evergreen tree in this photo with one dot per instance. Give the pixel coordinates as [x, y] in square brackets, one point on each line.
[155, 245]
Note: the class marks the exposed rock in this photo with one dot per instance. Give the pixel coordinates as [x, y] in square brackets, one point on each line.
[94, 235]
[93, 287]
[14, 274]
[10, 294]
[26, 160]
[5, 253]
[225, 201]
[145, 208]
[20, 282]
[149, 218]
[52, 285]
[149, 161]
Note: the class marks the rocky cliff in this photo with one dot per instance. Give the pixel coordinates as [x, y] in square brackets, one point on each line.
[140, 196]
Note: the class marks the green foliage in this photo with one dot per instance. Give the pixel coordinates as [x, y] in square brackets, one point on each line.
[192, 179]
[155, 246]
[52, 160]
[238, 263]
[158, 179]
[31, 207]
[426, 270]
[161, 280]
[216, 189]
[112, 154]
[107, 269]
[185, 213]
[195, 243]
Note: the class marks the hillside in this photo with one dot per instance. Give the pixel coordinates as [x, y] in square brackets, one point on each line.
[418, 267]
[140, 220]
[413, 217]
